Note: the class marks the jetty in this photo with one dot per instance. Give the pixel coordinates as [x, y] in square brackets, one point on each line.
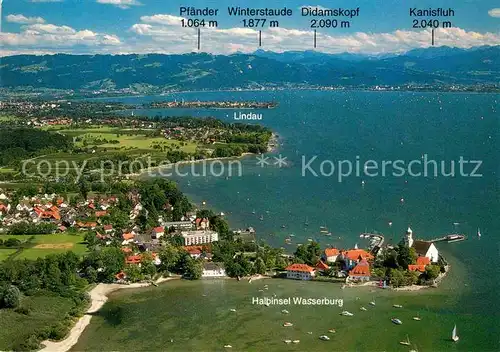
[448, 238]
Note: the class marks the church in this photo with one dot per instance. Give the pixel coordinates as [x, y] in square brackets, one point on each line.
[422, 248]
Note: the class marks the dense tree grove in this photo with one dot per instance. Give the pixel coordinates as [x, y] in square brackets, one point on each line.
[21, 143]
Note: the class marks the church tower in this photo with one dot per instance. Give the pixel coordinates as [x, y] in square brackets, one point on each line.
[409, 237]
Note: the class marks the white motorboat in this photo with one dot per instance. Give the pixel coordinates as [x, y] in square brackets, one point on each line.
[397, 306]
[346, 313]
[232, 310]
[287, 341]
[333, 331]
[396, 321]
[284, 311]
[363, 308]
[228, 346]
[287, 324]
[372, 303]
[324, 338]
[296, 341]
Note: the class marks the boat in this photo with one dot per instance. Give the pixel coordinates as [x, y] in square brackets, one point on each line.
[406, 343]
[228, 346]
[346, 313]
[322, 227]
[261, 217]
[296, 341]
[286, 324]
[363, 308]
[324, 338]
[324, 231]
[454, 237]
[283, 226]
[284, 311]
[287, 341]
[397, 306]
[253, 211]
[372, 303]
[454, 336]
[478, 232]
[396, 321]
[333, 331]
[328, 234]
[310, 239]
[417, 318]
[306, 223]
[232, 310]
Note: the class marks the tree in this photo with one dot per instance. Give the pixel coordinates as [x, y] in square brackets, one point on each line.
[193, 269]
[10, 297]
[391, 259]
[169, 257]
[259, 266]
[405, 256]
[432, 272]
[396, 277]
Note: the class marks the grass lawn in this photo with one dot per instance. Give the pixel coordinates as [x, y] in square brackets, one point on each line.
[7, 118]
[46, 311]
[5, 252]
[43, 245]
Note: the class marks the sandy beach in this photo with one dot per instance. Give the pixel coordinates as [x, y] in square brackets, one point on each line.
[98, 297]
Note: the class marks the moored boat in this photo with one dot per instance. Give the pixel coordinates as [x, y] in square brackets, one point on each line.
[406, 343]
[397, 306]
[324, 338]
[396, 321]
[346, 313]
[287, 324]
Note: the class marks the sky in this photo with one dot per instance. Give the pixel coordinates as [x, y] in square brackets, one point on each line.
[154, 26]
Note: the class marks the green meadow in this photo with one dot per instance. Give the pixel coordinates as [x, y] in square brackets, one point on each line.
[39, 246]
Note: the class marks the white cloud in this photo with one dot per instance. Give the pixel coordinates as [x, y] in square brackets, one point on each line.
[494, 12]
[52, 38]
[123, 4]
[169, 20]
[23, 19]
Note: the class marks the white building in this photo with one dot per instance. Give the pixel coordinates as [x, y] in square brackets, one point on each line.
[192, 238]
[330, 255]
[158, 232]
[422, 248]
[426, 249]
[300, 272]
[211, 269]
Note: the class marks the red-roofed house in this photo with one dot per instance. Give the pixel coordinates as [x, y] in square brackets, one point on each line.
[133, 259]
[321, 266]
[202, 224]
[100, 214]
[354, 256]
[416, 267]
[361, 271]
[300, 272]
[423, 261]
[120, 276]
[157, 232]
[128, 238]
[330, 255]
[126, 250]
[108, 228]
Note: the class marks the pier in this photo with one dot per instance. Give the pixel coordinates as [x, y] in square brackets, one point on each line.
[448, 238]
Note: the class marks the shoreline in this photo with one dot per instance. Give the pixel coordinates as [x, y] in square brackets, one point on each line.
[99, 296]
[272, 146]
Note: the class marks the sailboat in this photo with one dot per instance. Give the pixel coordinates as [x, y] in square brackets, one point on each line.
[417, 317]
[406, 343]
[478, 232]
[454, 336]
[306, 223]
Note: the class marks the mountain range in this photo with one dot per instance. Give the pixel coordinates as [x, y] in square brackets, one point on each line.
[435, 65]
